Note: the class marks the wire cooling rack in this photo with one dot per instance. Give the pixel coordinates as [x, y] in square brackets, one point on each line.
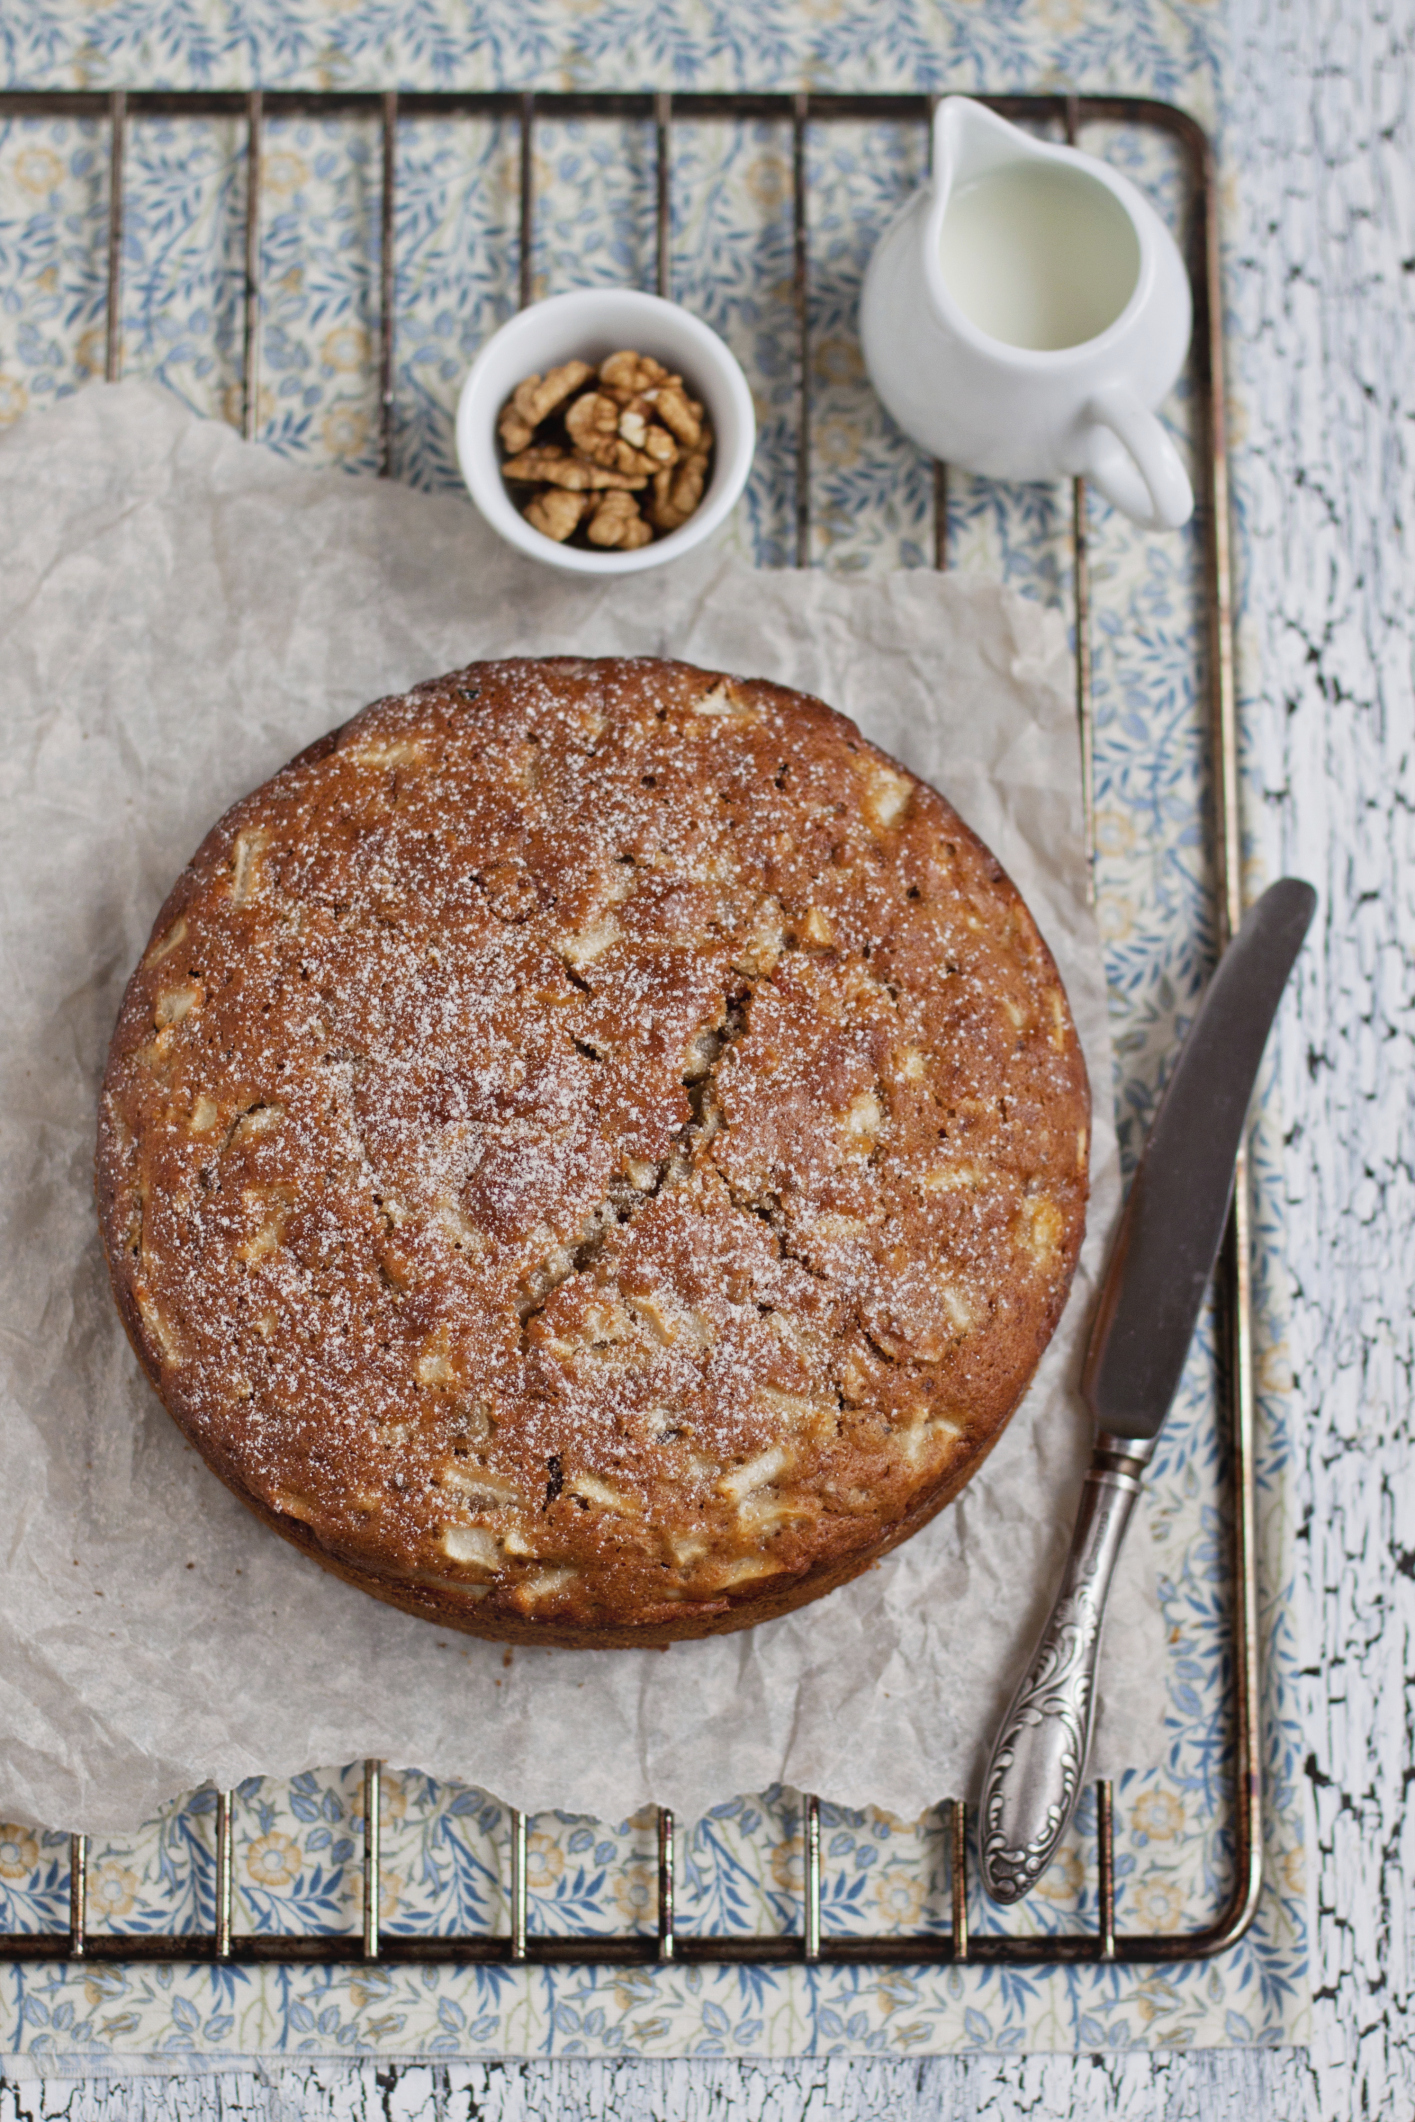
[1233, 1408]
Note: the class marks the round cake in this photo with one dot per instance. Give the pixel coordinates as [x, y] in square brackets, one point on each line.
[593, 1151]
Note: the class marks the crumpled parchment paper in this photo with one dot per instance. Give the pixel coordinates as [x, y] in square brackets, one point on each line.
[180, 612]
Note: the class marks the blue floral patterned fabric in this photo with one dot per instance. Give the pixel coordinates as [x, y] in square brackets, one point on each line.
[444, 1853]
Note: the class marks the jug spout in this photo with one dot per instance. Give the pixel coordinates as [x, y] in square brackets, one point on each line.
[969, 140]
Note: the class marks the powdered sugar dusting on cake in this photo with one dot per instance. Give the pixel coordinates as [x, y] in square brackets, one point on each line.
[593, 1149]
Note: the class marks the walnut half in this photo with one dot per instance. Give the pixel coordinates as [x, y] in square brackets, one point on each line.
[677, 491]
[617, 522]
[537, 398]
[555, 468]
[556, 513]
[631, 372]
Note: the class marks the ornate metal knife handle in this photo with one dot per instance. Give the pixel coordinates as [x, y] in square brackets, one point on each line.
[1034, 1776]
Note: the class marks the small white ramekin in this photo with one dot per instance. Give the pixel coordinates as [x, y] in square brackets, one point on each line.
[589, 324]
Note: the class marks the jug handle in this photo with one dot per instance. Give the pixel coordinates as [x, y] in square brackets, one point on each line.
[1160, 497]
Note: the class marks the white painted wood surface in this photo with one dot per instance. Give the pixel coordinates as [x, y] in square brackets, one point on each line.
[1321, 234]
[1244, 2085]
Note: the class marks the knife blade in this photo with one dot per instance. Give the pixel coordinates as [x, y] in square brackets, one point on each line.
[1165, 1247]
[1174, 1218]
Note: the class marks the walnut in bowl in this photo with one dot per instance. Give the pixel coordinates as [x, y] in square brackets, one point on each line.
[605, 431]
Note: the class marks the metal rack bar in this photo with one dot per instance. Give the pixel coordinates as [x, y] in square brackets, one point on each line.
[1085, 720]
[78, 1897]
[387, 284]
[1235, 1277]
[1105, 1865]
[958, 1874]
[663, 188]
[940, 515]
[940, 468]
[798, 110]
[250, 370]
[373, 1839]
[528, 121]
[224, 1894]
[1081, 580]
[118, 125]
[518, 1886]
[811, 1880]
[1236, 1297]
[667, 1943]
[888, 106]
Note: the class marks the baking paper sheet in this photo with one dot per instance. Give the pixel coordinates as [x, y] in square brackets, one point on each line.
[181, 612]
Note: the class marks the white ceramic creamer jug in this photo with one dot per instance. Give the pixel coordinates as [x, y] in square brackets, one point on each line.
[1025, 313]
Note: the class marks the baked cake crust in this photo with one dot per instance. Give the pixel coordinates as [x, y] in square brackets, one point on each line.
[593, 1151]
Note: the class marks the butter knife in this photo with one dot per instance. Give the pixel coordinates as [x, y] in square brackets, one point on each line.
[1164, 1253]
